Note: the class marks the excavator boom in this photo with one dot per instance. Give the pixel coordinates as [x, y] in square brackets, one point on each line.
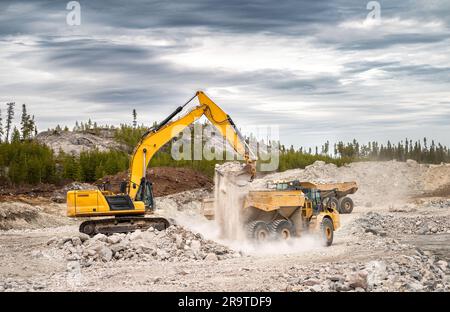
[153, 140]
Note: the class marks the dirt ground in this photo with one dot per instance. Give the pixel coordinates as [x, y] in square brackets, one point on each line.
[380, 247]
[168, 180]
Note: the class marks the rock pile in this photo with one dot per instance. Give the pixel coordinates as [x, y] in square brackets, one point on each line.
[391, 180]
[187, 202]
[20, 215]
[418, 272]
[383, 224]
[173, 244]
[59, 196]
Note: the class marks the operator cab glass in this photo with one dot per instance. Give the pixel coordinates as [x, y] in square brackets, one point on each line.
[314, 196]
[282, 186]
[145, 194]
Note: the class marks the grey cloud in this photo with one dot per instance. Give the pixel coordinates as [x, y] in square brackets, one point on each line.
[127, 76]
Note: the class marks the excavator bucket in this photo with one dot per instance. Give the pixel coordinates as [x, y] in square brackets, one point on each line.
[250, 168]
[236, 173]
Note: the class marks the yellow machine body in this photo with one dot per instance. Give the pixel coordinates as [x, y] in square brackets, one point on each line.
[290, 204]
[93, 203]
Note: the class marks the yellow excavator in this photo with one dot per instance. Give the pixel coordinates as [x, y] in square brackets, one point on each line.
[130, 206]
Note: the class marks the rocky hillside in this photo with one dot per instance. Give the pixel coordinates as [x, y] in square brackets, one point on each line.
[74, 142]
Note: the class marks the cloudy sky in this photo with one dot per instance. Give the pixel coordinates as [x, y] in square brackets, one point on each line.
[319, 70]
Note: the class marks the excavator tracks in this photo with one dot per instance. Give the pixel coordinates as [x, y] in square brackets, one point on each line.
[122, 225]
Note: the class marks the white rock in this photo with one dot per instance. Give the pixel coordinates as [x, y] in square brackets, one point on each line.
[442, 264]
[52, 240]
[84, 237]
[211, 257]
[100, 237]
[377, 272]
[114, 239]
[196, 245]
[105, 254]
[162, 254]
[76, 241]
[136, 235]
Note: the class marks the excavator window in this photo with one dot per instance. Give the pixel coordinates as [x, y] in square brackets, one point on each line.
[282, 186]
[145, 193]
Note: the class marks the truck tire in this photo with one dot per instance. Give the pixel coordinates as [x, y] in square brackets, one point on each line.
[345, 205]
[331, 202]
[258, 231]
[327, 231]
[282, 229]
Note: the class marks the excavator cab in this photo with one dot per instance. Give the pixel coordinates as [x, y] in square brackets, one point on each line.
[145, 194]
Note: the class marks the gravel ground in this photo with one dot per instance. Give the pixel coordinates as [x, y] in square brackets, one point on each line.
[380, 247]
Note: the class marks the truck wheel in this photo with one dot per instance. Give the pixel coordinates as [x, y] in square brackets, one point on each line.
[282, 229]
[326, 228]
[258, 231]
[331, 202]
[346, 205]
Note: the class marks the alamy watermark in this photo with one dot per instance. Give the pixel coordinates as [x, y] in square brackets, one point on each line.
[207, 142]
[375, 11]
[73, 17]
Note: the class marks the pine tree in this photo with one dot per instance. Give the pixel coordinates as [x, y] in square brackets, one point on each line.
[15, 136]
[134, 118]
[9, 119]
[32, 127]
[1, 127]
[25, 124]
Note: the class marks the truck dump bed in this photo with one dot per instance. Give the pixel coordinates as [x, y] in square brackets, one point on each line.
[342, 189]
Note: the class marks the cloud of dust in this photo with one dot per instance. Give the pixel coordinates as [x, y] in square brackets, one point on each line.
[229, 197]
[231, 187]
[295, 245]
[211, 231]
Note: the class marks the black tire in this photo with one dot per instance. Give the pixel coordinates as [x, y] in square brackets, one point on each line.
[282, 229]
[345, 205]
[258, 231]
[327, 231]
[88, 227]
[331, 202]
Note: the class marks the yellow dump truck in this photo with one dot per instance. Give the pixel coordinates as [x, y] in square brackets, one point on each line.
[283, 214]
[285, 209]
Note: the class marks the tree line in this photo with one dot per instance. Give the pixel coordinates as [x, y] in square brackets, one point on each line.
[24, 160]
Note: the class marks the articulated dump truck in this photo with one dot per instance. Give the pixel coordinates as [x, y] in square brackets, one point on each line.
[283, 214]
[288, 209]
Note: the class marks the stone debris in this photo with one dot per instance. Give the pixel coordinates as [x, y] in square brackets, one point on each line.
[21, 215]
[375, 179]
[188, 202]
[382, 224]
[59, 196]
[173, 244]
[419, 272]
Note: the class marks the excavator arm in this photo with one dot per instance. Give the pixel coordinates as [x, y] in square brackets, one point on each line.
[130, 205]
[156, 137]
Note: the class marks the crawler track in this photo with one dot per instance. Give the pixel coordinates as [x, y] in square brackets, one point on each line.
[122, 225]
